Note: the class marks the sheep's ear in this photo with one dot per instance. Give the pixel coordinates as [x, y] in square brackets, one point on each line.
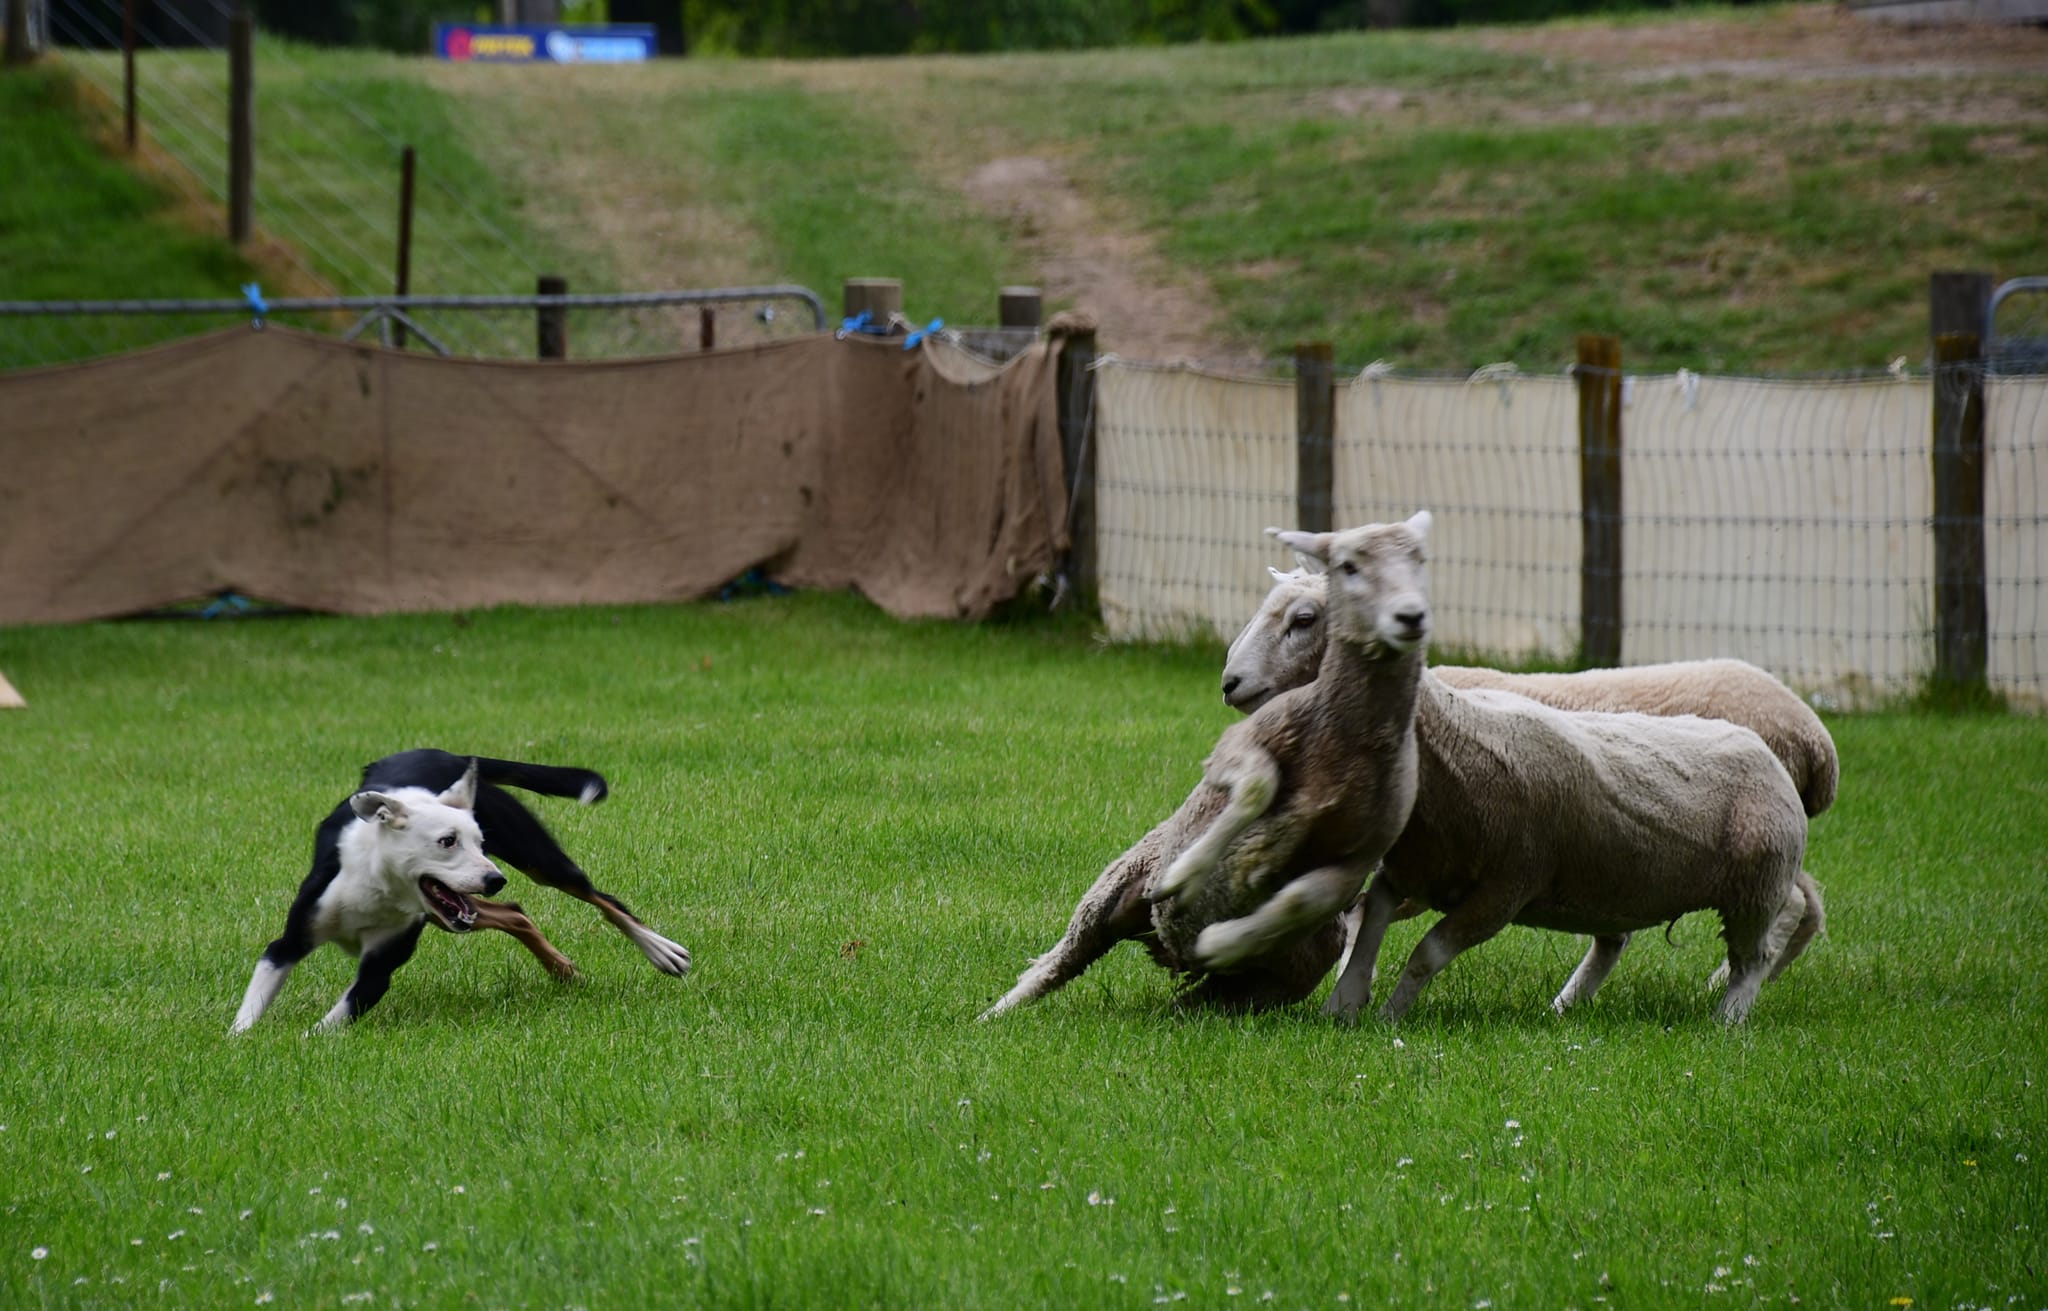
[1310, 565]
[1316, 545]
[380, 809]
[1418, 523]
[461, 794]
[1278, 577]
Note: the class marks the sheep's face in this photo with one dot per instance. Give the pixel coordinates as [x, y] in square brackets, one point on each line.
[1378, 582]
[1282, 646]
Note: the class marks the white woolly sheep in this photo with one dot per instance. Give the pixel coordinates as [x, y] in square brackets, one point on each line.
[1585, 822]
[1304, 795]
[1282, 645]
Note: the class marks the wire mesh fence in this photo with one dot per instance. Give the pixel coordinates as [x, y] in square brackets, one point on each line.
[1788, 522]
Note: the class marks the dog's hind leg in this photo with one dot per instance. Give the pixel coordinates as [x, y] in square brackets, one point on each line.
[373, 976]
[513, 835]
[507, 917]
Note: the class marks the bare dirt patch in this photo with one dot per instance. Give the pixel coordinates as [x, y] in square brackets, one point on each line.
[1109, 270]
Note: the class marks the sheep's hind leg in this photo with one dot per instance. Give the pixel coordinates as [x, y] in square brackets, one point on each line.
[1592, 971]
[1297, 907]
[1380, 907]
[1813, 917]
[1113, 910]
[1252, 780]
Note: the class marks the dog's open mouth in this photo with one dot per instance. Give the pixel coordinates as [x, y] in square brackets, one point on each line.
[450, 909]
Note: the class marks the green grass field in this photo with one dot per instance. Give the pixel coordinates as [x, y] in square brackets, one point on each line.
[862, 829]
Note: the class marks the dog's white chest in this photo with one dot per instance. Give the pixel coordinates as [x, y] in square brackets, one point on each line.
[355, 907]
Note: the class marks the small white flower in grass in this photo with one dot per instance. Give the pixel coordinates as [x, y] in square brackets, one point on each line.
[1047, 1184]
[1403, 1163]
[430, 1246]
[1399, 1045]
[135, 1242]
[85, 1169]
[1231, 1290]
[110, 1133]
[314, 1191]
[1482, 1304]
[263, 1298]
[245, 1214]
[817, 1210]
[39, 1253]
[162, 1175]
[332, 1235]
[1722, 1272]
[80, 1280]
[1266, 1296]
[1514, 1124]
[363, 1296]
[1343, 1297]
[2021, 1157]
[341, 1204]
[458, 1189]
[365, 1228]
[193, 1210]
[175, 1235]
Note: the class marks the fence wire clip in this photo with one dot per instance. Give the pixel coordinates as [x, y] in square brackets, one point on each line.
[861, 322]
[258, 307]
[919, 334]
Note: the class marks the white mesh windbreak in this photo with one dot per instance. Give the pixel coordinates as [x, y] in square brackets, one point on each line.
[2016, 536]
[1783, 523]
[1191, 469]
[1496, 463]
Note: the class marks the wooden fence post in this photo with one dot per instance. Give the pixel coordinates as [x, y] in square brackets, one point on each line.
[707, 328]
[1074, 380]
[402, 285]
[1019, 307]
[1958, 303]
[241, 124]
[882, 298]
[128, 71]
[1599, 379]
[552, 321]
[1315, 434]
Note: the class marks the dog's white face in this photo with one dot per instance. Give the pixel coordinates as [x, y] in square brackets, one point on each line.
[430, 849]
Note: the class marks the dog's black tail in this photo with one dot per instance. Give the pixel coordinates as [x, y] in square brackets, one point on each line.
[586, 785]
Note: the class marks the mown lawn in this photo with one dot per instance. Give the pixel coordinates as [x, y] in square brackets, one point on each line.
[862, 828]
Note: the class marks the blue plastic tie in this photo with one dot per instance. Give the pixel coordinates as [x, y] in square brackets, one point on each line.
[858, 323]
[253, 293]
[910, 342]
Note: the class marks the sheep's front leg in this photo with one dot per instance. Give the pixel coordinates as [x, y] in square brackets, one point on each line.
[1113, 910]
[1380, 907]
[1483, 914]
[1592, 971]
[1295, 909]
[1252, 779]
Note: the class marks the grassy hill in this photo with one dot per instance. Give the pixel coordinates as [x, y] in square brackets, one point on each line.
[1754, 189]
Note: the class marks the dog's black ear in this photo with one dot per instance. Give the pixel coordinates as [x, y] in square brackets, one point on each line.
[379, 809]
[462, 793]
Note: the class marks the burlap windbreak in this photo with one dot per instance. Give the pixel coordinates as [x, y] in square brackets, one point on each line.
[306, 471]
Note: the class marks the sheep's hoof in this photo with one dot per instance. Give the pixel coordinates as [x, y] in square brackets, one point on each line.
[1342, 1011]
[1221, 946]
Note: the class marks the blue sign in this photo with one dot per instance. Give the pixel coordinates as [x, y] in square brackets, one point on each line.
[486, 43]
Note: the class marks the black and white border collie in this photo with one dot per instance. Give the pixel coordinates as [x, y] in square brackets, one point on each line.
[413, 846]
